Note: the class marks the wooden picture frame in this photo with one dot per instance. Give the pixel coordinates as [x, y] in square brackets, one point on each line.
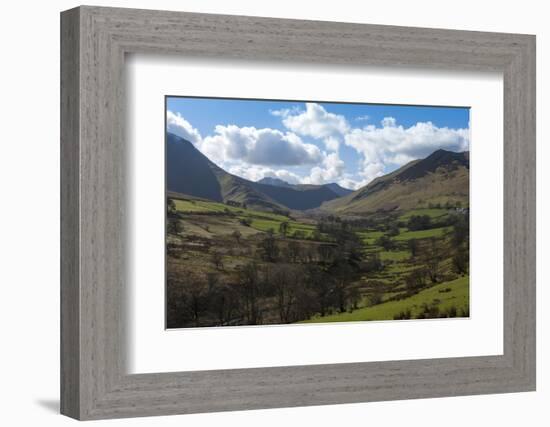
[94, 382]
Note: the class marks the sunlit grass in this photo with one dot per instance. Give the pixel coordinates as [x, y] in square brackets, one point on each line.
[422, 234]
[457, 296]
[432, 213]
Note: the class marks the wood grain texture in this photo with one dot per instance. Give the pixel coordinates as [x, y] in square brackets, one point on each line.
[94, 381]
[70, 333]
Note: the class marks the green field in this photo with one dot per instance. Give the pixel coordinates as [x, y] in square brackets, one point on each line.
[394, 255]
[369, 237]
[261, 221]
[263, 224]
[204, 206]
[432, 213]
[404, 234]
[457, 297]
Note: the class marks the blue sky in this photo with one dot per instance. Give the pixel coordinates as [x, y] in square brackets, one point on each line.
[315, 142]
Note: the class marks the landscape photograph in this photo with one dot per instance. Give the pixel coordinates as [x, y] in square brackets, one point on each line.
[294, 212]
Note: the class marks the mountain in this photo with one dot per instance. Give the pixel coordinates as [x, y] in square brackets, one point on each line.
[198, 175]
[275, 182]
[341, 191]
[299, 197]
[335, 188]
[191, 172]
[440, 177]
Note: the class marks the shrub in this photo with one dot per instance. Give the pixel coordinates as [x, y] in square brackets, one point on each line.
[237, 235]
[393, 230]
[171, 207]
[461, 261]
[299, 234]
[451, 311]
[416, 279]
[373, 264]
[175, 226]
[419, 222]
[386, 242]
[375, 298]
[429, 311]
[245, 221]
[403, 315]
[465, 312]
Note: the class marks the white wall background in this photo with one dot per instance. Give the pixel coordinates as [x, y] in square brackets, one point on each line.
[29, 214]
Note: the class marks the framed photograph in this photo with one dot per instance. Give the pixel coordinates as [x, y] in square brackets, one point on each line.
[321, 217]
[262, 213]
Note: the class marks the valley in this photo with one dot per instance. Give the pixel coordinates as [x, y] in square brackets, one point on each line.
[228, 265]
[250, 253]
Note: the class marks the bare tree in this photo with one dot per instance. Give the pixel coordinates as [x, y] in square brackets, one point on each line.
[285, 281]
[413, 247]
[171, 207]
[432, 257]
[322, 286]
[268, 247]
[178, 313]
[249, 285]
[175, 226]
[326, 252]
[283, 228]
[416, 279]
[461, 261]
[237, 236]
[196, 290]
[343, 274]
[223, 301]
[293, 249]
[217, 260]
[461, 231]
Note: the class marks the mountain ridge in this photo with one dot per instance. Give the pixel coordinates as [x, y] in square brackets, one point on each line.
[268, 180]
[277, 182]
[191, 172]
[441, 176]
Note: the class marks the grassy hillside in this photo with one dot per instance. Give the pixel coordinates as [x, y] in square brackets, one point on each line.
[233, 265]
[231, 218]
[440, 179]
[439, 188]
[449, 299]
[242, 191]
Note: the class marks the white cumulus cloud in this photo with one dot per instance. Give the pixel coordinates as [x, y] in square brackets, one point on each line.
[259, 147]
[371, 171]
[350, 183]
[331, 170]
[256, 173]
[177, 125]
[316, 122]
[389, 122]
[255, 153]
[394, 145]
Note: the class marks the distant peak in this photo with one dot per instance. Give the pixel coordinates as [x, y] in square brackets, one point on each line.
[338, 189]
[444, 153]
[439, 158]
[274, 181]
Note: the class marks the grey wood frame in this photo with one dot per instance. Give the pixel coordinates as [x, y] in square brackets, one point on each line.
[94, 41]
